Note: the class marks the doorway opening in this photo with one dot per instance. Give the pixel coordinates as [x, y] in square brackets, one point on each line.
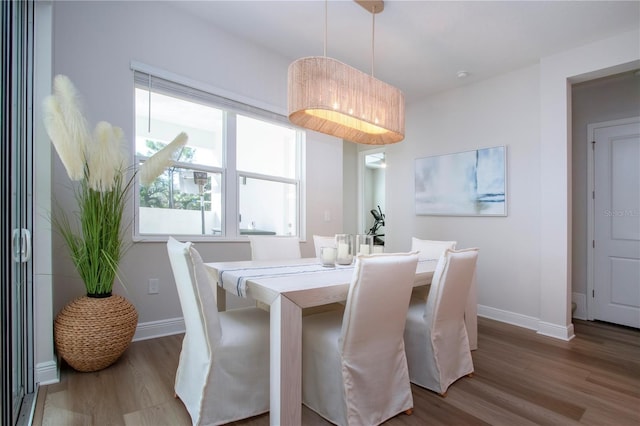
[372, 193]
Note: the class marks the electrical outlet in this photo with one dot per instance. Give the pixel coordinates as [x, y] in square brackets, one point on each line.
[154, 286]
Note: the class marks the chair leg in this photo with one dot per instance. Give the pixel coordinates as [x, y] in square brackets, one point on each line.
[443, 394]
[409, 411]
[470, 375]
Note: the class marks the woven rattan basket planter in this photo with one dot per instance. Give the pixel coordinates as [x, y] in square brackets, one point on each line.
[92, 333]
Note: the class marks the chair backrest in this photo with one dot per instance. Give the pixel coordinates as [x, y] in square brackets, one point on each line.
[195, 291]
[320, 241]
[274, 248]
[377, 304]
[450, 287]
[431, 249]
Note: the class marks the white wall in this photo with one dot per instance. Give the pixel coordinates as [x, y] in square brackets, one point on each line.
[604, 57]
[594, 101]
[45, 362]
[524, 271]
[350, 187]
[500, 111]
[94, 44]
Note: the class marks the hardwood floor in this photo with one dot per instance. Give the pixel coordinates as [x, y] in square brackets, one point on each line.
[521, 378]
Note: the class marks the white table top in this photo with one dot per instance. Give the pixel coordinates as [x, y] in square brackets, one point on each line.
[264, 280]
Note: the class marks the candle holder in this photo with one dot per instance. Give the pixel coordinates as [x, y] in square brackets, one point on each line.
[328, 256]
[377, 249]
[364, 244]
[344, 245]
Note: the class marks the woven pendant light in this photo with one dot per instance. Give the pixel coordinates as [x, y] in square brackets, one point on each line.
[331, 97]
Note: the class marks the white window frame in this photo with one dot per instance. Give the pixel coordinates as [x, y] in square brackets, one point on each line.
[236, 104]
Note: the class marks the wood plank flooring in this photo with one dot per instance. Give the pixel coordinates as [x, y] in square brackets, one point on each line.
[521, 378]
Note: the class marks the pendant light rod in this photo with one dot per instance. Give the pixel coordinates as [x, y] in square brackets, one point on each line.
[326, 2]
[372, 6]
[373, 39]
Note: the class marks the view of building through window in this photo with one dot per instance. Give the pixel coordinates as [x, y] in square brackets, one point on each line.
[259, 156]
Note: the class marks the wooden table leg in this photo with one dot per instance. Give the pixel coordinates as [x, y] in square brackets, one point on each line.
[221, 299]
[471, 315]
[285, 363]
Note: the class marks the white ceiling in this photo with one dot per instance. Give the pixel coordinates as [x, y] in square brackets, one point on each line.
[420, 46]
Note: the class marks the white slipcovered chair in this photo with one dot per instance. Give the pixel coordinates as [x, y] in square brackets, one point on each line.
[431, 249]
[354, 368]
[320, 241]
[435, 335]
[274, 248]
[223, 371]
[428, 250]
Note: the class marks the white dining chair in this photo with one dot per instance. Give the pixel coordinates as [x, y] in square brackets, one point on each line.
[320, 241]
[431, 249]
[428, 250]
[354, 368]
[435, 335]
[223, 370]
[274, 248]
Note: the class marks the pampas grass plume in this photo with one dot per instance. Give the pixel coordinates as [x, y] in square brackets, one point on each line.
[155, 166]
[71, 117]
[69, 147]
[106, 159]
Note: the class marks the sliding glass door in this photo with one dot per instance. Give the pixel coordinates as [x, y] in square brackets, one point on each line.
[16, 114]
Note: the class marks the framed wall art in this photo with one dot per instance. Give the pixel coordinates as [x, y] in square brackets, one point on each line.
[470, 183]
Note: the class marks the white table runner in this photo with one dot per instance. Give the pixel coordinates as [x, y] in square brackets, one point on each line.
[235, 280]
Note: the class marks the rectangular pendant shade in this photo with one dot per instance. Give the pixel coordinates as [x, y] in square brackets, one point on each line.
[331, 97]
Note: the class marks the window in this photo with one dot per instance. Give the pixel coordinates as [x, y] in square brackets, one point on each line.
[239, 174]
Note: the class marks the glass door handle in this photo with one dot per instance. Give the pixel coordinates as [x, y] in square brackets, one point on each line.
[21, 245]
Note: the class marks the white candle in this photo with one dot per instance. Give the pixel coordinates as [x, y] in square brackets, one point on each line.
[364, 249]
[378, 249]
[343, 250]
[328, 255]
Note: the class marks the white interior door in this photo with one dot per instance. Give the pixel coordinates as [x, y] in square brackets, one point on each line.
[616, 245]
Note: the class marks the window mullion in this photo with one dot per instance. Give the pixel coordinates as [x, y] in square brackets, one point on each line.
[230, 177]
[270, 178]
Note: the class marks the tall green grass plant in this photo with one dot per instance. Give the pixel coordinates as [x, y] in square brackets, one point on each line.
[95, 236]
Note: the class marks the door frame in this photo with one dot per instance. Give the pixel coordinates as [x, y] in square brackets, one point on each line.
[361, 223]
[591, 213]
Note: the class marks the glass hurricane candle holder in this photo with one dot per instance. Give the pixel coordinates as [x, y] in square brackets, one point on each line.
[344, 246]
[364, 244]
[328, 256]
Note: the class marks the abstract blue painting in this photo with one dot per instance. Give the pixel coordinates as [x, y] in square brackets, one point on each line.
[470, 183]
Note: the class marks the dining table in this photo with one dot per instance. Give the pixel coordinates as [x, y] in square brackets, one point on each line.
[287, 287]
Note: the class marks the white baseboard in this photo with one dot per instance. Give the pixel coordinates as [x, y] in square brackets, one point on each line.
[581, 305]
[525, 321]
[171, 326]
[555, 330]
[47, 373]
[508, 317]
[153, 329]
